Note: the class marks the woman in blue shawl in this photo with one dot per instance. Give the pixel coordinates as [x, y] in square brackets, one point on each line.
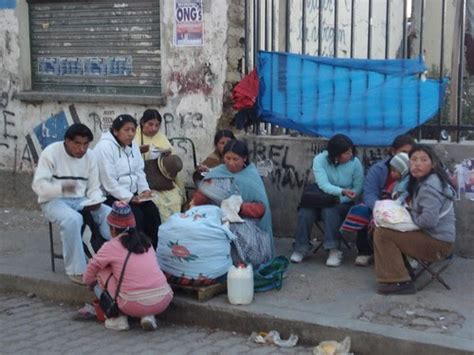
[238, 176]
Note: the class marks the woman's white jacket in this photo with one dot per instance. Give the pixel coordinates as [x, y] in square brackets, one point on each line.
[121, 171]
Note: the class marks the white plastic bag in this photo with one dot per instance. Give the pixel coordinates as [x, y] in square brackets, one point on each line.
[230, 209]
[392, 215]
[273, 337]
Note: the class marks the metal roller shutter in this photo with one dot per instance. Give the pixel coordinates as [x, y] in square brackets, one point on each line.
[99, 47]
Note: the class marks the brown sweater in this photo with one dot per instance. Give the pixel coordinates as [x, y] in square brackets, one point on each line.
[213, 160]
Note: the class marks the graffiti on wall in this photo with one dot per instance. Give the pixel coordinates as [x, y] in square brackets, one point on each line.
[274, 160]
[328, 33]
[278, 163]
[182, 122]
[102, 122]
[49, 131]
[52, 130]
[7, 138]
[193, 81]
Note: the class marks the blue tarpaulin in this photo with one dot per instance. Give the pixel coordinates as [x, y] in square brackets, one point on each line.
[371, 101]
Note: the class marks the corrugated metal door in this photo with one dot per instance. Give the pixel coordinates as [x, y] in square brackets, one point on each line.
[101, 47]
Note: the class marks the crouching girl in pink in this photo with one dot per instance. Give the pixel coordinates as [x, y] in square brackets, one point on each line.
[144, 291]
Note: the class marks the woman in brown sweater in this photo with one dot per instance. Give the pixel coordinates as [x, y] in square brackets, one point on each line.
[215, 158]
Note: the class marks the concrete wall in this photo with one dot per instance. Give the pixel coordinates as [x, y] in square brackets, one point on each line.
[285, 164]
[193, 80]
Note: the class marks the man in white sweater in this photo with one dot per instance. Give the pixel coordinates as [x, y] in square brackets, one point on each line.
[66, 182]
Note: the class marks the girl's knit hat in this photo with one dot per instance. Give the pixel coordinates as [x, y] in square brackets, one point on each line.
[121, 216]
[401, 163]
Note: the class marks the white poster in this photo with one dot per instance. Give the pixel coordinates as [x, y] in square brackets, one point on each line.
[189, 26]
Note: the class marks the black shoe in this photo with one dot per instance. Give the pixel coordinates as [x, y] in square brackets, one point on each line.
[399, 288]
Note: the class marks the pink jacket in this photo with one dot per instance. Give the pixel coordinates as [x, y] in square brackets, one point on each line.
[142, 271]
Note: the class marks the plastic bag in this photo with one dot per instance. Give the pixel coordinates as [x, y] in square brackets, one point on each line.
[230, 209]
[332, 347]
[270, 275]
[273, 337]
[390, 214]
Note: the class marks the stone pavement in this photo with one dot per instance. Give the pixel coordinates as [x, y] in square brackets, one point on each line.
[316, 302]
[34, 326]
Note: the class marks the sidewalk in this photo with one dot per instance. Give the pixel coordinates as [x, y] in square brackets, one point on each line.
[316, 302]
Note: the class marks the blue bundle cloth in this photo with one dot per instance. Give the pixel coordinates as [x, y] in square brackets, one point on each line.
[371, 101]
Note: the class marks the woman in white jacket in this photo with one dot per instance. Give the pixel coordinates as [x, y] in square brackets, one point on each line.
[122, 176]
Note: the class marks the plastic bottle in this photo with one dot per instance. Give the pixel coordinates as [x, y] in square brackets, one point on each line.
[240, 284]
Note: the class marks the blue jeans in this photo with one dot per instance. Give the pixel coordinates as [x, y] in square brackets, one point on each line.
[65, 212]
[332, 218]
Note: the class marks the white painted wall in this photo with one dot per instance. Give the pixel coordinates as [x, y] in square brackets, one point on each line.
[344, 27]
[192, 79]
[432, 32]
[343, 36]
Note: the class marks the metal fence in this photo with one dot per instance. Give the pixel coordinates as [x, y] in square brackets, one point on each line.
[439, 30]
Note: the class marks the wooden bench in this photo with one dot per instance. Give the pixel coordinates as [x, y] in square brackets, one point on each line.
[201, 293]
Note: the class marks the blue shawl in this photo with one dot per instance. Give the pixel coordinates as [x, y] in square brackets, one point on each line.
[248, 184]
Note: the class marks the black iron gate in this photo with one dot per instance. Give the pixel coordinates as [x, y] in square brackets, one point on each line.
[441, 31]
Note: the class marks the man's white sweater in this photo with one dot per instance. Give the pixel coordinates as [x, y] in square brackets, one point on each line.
[56, 168]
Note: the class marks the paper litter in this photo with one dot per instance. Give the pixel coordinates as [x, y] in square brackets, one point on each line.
[273, 337]
[331, 347]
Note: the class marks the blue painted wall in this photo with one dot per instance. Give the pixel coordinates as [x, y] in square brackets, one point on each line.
[7, 4]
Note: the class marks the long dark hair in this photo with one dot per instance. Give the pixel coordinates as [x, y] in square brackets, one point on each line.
[338, 144]
[438, 168]
[239, 148]
[223, 133]
[120, 121]
[134, 241]
[150, 114]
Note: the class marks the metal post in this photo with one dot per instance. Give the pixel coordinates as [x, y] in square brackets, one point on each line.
[369, 37]
[352, 27]
[266, 25]
[256, 44]
[273, 26]
[441, 67]
[287, 48]
[320, 25]
[246, 40]
[387, 29]
[404, 29]
[420, 53]
[460, 70]
[335, 28]
[303, 27]
[287, 27]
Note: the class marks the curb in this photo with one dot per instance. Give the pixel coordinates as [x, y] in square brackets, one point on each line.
[186, 311]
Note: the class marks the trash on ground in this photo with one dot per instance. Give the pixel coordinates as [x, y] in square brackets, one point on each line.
[331, 347]
[273, 337]
[86, 313]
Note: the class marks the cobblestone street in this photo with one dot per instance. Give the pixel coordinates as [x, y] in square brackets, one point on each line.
[33, 326]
